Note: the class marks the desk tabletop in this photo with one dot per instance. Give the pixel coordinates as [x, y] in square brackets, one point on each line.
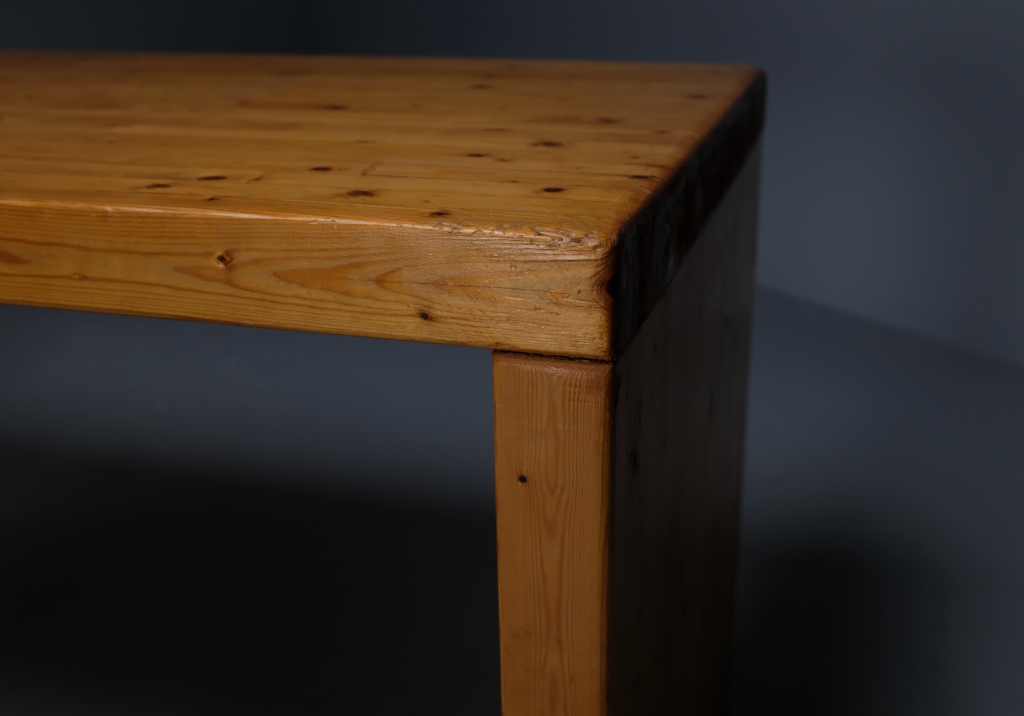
[523, 205]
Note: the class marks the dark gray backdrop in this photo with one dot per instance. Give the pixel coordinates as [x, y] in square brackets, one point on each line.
[213, 519]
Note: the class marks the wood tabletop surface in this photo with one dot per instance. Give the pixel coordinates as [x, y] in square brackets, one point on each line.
[532, 206]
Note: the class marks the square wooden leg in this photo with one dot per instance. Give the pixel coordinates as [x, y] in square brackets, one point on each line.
[618, 498]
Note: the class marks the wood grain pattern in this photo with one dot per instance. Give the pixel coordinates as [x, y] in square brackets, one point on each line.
[552, 424]
[617, 555]
[679, 429]
[534, 206]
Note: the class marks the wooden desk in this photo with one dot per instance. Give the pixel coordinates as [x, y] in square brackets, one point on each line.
[593, 224]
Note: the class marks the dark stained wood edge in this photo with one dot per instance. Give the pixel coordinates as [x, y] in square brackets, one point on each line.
[652, 245]
[678, 463]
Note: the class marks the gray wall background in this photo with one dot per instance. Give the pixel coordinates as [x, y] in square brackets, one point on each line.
[894, 167]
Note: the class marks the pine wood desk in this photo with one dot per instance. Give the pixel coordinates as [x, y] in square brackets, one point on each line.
[593, 224]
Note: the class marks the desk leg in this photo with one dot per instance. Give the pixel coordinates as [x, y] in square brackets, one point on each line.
[553, 455]
[618, 495]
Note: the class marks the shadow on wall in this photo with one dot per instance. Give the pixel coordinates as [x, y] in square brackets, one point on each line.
[882, 556]
[836, 626]
[134, 588]
[130, 588]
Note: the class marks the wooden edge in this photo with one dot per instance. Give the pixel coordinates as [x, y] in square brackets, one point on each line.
[553, 463]
[616, 579]
[652, 246]
[583, 301]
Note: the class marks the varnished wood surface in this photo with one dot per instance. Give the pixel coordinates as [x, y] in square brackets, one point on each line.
[533, 206]
[552, 422]
[618, 495]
